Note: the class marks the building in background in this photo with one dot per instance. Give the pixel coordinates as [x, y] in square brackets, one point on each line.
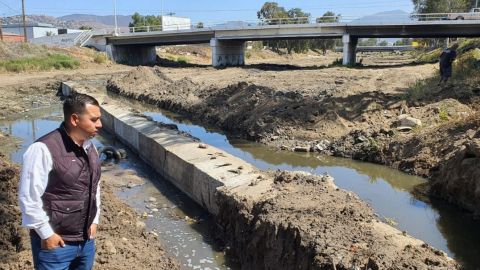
[171, 23]
[36, 30]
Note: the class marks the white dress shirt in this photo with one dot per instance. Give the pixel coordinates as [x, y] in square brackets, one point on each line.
[37, 164]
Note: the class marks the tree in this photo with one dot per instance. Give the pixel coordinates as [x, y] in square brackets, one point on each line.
[403, 42]
[271, 13]
[146, 23]
[328, 17]
[326, 44]
[85, 27]
[442, 6]
[383, 43]
[367, 42]
[200, 25]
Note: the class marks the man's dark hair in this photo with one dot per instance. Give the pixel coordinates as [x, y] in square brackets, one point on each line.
[76, 103]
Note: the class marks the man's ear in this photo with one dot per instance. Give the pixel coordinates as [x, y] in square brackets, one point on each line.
[74, 119]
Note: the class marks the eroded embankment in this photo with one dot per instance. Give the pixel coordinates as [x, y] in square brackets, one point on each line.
[272, 220]
[306, 222]
[359, 126]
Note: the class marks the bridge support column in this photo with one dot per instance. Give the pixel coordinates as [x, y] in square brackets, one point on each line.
[133, 55]
[349, 49]
[227, 53]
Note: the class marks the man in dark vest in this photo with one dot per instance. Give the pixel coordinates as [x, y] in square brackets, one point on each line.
[59, 190]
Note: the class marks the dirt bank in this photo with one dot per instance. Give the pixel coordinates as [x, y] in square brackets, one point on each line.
[306, 222]
[353, 113]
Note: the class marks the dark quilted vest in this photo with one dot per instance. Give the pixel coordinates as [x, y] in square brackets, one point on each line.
[69, 198]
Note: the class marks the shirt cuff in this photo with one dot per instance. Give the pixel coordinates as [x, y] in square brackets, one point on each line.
[97, 217]
[44, 231]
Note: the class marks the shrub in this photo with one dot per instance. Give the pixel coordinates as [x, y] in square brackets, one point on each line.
[100, 58]
[182, 60]
[48, 62]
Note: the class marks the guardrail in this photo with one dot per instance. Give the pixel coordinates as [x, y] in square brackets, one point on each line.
[216, 25]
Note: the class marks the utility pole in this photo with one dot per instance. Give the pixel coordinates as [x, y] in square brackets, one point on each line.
[115, 15]
[1, 32]
[25, 39]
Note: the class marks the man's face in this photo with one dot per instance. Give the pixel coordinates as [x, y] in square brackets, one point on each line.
[88, 123]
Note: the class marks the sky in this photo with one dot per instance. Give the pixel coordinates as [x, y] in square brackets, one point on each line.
[201, 10]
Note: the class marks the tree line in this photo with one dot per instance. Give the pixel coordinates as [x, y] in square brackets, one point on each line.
[271, 13]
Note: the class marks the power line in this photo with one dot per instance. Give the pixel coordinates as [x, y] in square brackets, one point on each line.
[16, 10]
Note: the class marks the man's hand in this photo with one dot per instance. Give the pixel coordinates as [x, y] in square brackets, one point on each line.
[92, 232]
[52, 242]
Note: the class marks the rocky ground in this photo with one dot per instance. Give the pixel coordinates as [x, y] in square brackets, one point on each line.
[374, 113]
[123, 241]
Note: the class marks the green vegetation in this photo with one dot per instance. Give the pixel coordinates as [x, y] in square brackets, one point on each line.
[48, 62]
[100, 58]
[464, 79]
[273, 14]
[442, 6]
[443, 113]
[430, 57]
[145, 23]
[182, 60]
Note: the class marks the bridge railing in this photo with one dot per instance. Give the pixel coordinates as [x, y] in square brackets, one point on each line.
[216, 25]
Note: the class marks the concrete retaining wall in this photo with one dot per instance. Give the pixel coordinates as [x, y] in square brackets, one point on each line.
[175, 157]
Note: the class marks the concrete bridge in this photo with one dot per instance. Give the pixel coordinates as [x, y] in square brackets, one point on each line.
[228, 44]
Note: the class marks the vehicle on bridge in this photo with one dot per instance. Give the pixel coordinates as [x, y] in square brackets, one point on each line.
[474, 14]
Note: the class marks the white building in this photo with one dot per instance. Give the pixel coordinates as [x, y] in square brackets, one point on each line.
[171, 23]
[36, 30]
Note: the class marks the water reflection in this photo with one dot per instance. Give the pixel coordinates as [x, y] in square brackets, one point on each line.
[388, 191]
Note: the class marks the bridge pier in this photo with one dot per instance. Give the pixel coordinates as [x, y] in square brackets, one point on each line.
[227, 53]
[349, 50]
[133, 55]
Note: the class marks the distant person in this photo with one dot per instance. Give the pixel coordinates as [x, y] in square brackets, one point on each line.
[59, 189]
[446, 59]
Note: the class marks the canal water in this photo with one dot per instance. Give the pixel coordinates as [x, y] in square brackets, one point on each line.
[182, 226]
[388, 191]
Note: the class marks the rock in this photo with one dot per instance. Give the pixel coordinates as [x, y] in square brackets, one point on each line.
[140, 224]
[301, 149]
[284, 147]
[202, 146]
[109, 248]
[404, 120]
[152, 199]
[470, 133]
[321, 146]
[131, 185]
[154, 210]
[404, 128]
[473, 148]
[361, 139]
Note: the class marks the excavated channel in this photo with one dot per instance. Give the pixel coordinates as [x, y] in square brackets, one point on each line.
[390, 192]
[181, 225]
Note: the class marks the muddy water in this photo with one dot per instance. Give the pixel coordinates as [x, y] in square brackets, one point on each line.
[181, 225]
[389, 191]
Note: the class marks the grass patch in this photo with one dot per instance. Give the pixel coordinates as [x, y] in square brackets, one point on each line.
[100, 58]
[430, 57]
[48, 62]
[182, 60]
